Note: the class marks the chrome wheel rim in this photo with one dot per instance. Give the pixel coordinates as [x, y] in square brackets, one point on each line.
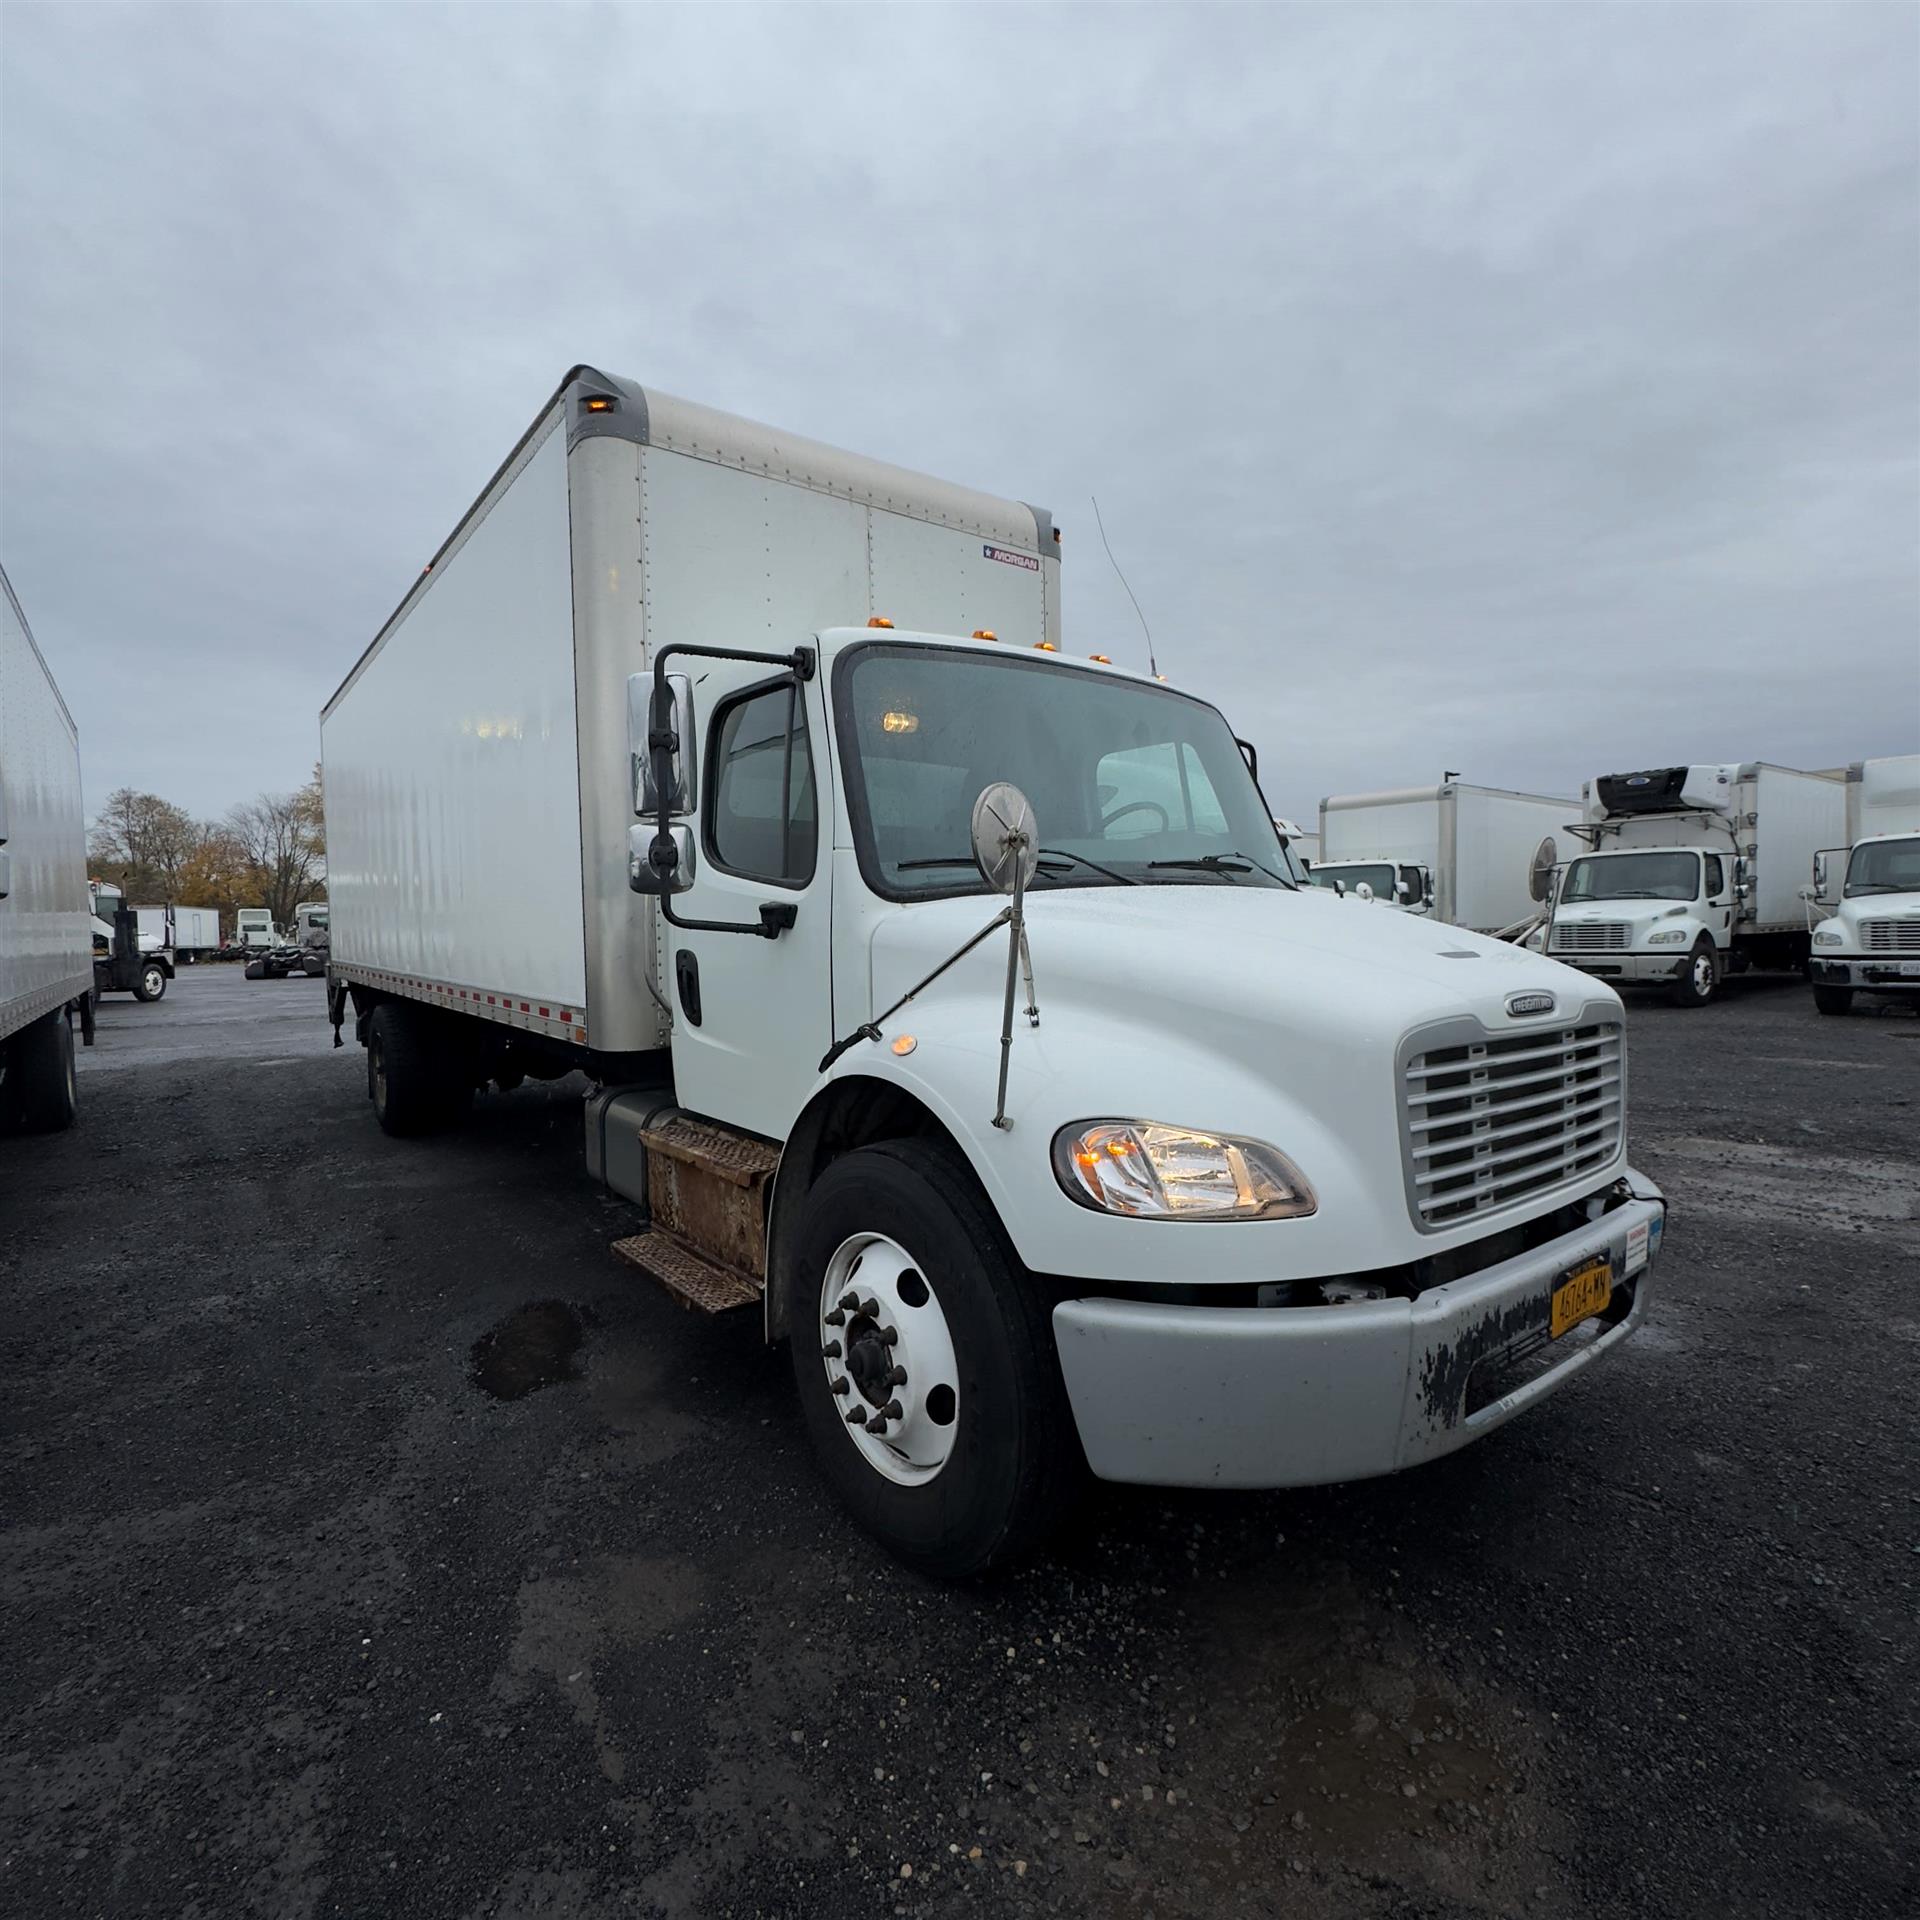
[1703, 974]
[889, 1359]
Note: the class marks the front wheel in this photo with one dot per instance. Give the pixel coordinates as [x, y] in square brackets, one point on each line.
[1699, 980]
[923, 1355]
[1833, 999]
[408, 1078]
[152, 982]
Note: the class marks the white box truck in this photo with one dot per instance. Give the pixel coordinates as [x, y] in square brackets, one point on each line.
[1160, 1164]
[1694, 873]
[1869, 941]
[188, 934]
[1472, 856]
[46, 942]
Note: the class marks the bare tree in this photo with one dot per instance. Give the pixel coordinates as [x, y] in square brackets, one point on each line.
[145, 843]
[280, 838]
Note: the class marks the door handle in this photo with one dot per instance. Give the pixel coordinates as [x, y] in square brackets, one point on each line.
[686, 979]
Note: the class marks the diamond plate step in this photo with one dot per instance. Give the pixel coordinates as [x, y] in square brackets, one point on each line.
[691, 1278]
[736, 1158]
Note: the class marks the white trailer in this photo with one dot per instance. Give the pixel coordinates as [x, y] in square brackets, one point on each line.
[46, 938]
[1471, 856]
[1869, 939]
[641, 779]
[1694, 873]
[188, 933]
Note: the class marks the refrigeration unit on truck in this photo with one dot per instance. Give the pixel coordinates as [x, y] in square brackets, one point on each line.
[1694, 873]
[126, 957]
[1869, 890]
[1051, 1128]
[188, 933]
[46, 952]
[1474, 857]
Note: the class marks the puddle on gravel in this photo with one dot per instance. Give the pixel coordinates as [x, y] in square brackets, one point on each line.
[531, 1348]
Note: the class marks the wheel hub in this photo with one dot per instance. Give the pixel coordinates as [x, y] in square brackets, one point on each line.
[889, 1359]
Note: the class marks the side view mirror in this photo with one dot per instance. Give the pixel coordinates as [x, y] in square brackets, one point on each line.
[1363, 890]
[658, 866]
[1401, 891]
[681, 723]
[1819, 877]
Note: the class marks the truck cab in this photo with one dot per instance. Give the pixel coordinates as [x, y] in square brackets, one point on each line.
[255, 929]
[1648, 915]
[127, 957]
[1870, 942]
[1393, 883]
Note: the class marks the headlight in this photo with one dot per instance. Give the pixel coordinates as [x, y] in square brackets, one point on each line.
[1173, 1173]
[1828, 940]
[1671, 938]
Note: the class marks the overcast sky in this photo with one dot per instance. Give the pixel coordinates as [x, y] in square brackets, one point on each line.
[1531, 391]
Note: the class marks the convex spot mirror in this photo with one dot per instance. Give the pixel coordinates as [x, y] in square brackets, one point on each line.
[1006, 837]
[657, 869]
[677, 718]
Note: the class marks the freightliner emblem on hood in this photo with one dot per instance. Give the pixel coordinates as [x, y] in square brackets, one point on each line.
[1519, 1003]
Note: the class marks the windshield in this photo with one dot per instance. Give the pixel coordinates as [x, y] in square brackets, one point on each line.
[1380, 878]
[1634, 876]
[1129, 783]
[1884, 866]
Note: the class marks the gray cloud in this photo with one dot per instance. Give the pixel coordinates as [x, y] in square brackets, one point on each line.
[1530, 391]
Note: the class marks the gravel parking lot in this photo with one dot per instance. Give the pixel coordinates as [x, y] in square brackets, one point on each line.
[375, 1543]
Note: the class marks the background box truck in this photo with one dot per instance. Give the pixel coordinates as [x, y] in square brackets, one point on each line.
[46, 945]
[1869, 939]
[1694, 873]
[1472, 856]
[189, 934]
[1047, 1128]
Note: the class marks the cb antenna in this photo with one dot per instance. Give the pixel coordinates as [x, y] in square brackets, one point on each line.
[1153, 665]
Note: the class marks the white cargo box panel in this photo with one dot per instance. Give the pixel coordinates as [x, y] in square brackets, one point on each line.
[477, 773]
[1883, 796]
[1792, 815]
[46, 927]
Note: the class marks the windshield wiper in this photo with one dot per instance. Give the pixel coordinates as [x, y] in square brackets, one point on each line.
[1052, 860]
[1875, 886]
[1235, 862]
[1060, 853]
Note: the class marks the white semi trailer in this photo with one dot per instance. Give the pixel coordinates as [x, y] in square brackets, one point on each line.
[1869, 941]
[1694, 873]
[187, 934]
[46, 941]
[1472, 856]
[1161, 1162]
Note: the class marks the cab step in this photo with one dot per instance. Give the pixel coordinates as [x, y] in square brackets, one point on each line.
[692, 1279]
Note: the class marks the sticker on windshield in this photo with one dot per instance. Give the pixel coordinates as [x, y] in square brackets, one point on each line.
[1008, 558]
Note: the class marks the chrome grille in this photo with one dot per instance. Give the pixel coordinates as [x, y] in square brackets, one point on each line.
[1891, 936]
[1590, 936]
[1494, 1120]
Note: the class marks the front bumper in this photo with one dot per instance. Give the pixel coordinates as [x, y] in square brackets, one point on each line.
[1628, 967]
[1189, 1396]
[1875, 974]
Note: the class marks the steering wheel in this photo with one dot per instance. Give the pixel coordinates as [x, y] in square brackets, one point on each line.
[1137, 806]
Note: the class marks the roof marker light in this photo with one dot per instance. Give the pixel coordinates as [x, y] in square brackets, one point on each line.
[880, 620]
[985, 633]
[599, 403]
[1105, 659]
[1045, 646]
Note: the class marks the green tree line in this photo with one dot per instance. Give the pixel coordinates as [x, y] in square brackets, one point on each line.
[270, 852]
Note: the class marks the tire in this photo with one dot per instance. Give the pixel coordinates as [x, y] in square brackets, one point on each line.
[314, 968]
[408, 1080]
[1700, 981]
[256, 970]
[1836, 1000]
[152, 983]
[1011, 1457]
[40, 1087]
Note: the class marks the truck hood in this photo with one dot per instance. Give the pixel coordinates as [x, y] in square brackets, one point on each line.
[1851, 914]
[1638, 915]
[1260, 955]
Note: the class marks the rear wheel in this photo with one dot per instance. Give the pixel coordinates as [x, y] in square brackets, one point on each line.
[924, 1360]
[408, 1075]
[39, 1089]
[1699, 980]
[151, 982]
[1833, 999]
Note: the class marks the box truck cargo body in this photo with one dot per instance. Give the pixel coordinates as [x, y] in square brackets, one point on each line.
[1868, 892]
[690, 762]
[46, 941]
[1694, 873]
[188, 933]
[1471, 856]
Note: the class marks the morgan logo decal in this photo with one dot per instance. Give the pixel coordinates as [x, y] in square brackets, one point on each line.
[1008, 558]
[1519, 1003]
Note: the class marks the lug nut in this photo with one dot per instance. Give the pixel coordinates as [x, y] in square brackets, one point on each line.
[898, 1377]
[856, 1416]
[831, 1351]
[889, 1336]
[836, 1318]
[891, 1411]
[870, 1307]
[847, 1302]
[840, 1386]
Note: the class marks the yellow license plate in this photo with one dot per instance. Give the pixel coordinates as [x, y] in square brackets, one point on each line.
[1582, 1294]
